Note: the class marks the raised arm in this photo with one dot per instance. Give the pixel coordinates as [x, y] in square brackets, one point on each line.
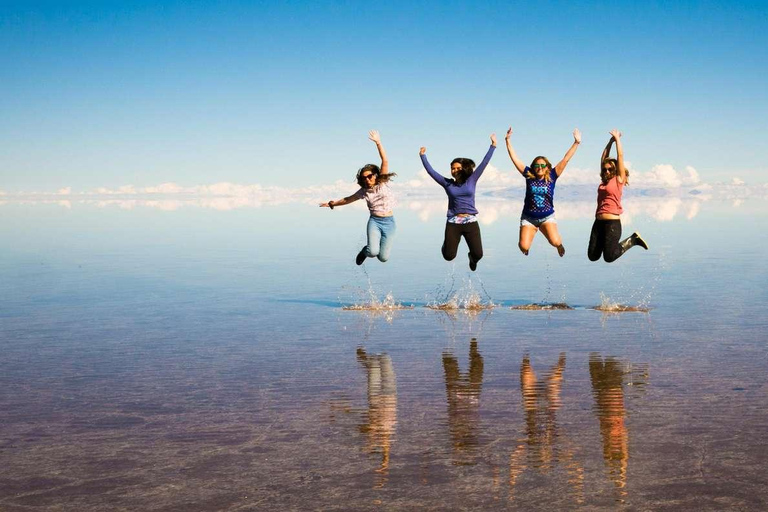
[432, 173]
[487, 158]
[519, 165]
[560, 167]
[375, 137]
[620, 156]
[606, 152]
[341, 202]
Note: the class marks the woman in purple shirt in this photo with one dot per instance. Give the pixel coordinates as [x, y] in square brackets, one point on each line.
[462, 214]
[539, 208]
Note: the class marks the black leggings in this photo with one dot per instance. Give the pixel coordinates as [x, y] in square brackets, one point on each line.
[470, 232]
[604, 240]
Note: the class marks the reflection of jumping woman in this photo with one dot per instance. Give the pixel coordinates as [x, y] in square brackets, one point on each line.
[539, 208]
[606, 230]
[462, 214]
[374, 188]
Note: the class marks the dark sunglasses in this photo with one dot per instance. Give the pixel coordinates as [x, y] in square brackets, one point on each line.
[539, 166]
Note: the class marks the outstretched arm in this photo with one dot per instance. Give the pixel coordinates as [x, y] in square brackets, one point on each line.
[340, 202]
[375, 137]
[487, 158]
[620, 156]
[432, 173]
[519, 165]
[560, 167]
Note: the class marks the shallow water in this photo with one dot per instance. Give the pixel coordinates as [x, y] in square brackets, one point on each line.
[199, 360]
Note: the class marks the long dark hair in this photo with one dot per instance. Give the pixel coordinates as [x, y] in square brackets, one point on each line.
[380, 178]
[467, 168]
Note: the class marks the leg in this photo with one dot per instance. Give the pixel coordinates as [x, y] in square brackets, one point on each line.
[451, 242]
[596, 241]
[388, 230]
[374, 238]
[475, 243]
[527, 233]
[613, 249]
[549, 229]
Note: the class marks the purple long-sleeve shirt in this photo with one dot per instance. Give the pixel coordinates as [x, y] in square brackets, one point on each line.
[461, 198]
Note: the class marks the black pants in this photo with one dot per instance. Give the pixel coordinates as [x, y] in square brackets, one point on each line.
[604, 240]
[470, 232]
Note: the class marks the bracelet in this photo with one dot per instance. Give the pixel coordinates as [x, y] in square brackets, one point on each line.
[330, 205]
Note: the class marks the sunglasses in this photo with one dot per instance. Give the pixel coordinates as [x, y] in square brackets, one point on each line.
[367, 176]
[539, 166]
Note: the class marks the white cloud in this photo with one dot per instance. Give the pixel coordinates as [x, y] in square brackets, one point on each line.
[662, 193]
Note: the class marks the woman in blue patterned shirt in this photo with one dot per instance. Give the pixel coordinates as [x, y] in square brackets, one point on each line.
[539, 208]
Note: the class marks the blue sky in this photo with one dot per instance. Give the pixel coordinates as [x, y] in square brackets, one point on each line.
[110, 94]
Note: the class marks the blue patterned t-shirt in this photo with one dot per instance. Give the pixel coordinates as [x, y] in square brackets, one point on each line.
[539, 195]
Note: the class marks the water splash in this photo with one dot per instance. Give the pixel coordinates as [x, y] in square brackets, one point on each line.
[373, 303]
[467, 298]
[367, 299]
[608, 305]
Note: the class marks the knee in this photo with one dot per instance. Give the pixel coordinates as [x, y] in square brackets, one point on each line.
[609, 257]
[449, 257]
[477, 255]
[555, 241]
[524, 247]
[383, 257]
[593, 257]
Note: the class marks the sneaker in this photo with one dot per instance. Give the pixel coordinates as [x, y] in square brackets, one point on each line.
[472, 263]
[361, 256]
[561, 250]
[639, 240]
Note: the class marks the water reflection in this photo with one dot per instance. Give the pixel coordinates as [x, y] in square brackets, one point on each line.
[380, 421]
[608, 377]
[463, 393]
[545, 445]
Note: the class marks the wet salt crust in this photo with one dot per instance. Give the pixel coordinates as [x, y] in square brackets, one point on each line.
[176, 362]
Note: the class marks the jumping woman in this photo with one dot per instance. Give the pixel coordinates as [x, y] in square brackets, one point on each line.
[606, 231]
[462, 214]
[374, 188]
[539, 207]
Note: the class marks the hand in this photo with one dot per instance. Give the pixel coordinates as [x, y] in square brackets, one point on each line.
[616, 134]
[422, 150]
[374, 136]
[493, 139]
[509, 133]
[326, 205]
[577, 136]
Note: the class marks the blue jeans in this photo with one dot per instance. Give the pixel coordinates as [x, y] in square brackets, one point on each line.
[381, 232]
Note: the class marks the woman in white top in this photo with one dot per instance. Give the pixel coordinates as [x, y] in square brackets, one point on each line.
[374, 188]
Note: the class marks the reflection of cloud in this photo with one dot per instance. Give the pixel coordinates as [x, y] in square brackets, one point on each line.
[662, 193]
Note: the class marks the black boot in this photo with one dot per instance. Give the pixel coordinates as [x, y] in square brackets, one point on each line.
[639, 240]
[361, 256]
[632, 241]
[472, 262]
